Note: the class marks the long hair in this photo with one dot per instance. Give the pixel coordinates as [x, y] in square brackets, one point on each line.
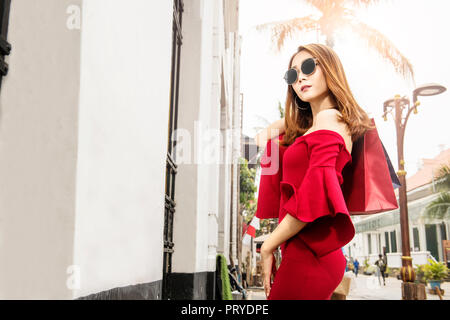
[298, 121]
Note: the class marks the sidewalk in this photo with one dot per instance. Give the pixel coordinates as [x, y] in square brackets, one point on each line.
[367, 288]
[256, 293]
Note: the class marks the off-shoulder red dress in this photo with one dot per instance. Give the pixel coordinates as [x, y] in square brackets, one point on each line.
[304, 180]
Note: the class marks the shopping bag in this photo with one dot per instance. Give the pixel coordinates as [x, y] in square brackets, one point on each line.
[343, 287]
[369, 179]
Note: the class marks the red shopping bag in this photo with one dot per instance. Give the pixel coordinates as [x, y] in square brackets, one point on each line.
[370, 180]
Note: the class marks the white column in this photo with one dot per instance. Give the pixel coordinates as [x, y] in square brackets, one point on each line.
[439, 241]
[422, 236]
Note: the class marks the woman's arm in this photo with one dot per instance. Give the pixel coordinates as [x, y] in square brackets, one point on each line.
[274, 129]
[287, 228]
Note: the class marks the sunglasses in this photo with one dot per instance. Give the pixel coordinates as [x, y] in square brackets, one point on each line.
[308, 67]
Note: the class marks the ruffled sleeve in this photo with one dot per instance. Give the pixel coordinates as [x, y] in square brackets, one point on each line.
[318, 199]
[268, 205]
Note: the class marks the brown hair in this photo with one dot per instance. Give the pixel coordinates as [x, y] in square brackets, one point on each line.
[297, 121]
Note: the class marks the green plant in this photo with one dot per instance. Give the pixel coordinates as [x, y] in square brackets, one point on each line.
[420, 273]
[420, 270]
[247, 188]
[435, 270]
[366, 263]
[226, 285]
[247, 185]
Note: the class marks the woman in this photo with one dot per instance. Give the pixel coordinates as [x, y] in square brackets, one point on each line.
[322, 120]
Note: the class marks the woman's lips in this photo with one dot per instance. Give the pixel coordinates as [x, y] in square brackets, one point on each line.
[306, 88]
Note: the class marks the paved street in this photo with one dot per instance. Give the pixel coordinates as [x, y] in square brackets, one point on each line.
[368, 288]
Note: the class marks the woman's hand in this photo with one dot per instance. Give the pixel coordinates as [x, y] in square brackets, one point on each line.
[273, 130]
[269, 268]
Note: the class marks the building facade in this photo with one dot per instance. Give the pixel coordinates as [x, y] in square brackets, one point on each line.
[380, 233]
[119, 138]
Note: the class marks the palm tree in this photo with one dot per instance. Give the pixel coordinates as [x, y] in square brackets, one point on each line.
[440, 207]
[338, 15]
[443, 178]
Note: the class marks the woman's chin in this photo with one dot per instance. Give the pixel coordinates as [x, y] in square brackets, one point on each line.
[305, 96]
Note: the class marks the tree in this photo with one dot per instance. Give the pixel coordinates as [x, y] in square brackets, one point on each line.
[440, 207]
[336, 16]
[443, 178]
[247, 189]
[265, 225]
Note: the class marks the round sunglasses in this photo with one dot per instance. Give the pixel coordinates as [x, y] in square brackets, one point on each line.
[308, 67]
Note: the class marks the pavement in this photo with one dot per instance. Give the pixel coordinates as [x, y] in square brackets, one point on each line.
[368, 288]
[365, 287]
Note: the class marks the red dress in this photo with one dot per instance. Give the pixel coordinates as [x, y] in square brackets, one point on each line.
[304, 180]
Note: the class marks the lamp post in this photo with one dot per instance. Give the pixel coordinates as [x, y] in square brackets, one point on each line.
[399, 104]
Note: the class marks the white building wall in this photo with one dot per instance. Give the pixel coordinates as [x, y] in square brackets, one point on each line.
[38, 146]
[209, 145]
[84, 139]
[124, 107]
[206, 209]
[234, 51]
[185, 224]
[225, 195]
[230, 110]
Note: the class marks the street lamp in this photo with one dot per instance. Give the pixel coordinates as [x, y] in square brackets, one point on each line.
[398, 104]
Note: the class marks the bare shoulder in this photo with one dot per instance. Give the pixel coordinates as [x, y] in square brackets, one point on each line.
[328, 120]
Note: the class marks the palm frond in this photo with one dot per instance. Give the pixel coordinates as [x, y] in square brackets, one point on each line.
[281, 30]
[361, 3]
[323, 5]
[438, 208]
[443, 178]
[385, 47]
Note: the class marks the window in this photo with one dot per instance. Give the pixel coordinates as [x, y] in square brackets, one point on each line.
[431, 240]
[443, 231]
[393, 241]
[5, 47]
[416, 239]
[386, 240]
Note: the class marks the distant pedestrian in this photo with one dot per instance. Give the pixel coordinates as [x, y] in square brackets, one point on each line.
[346, 259]
[355, 266]
[381, 264]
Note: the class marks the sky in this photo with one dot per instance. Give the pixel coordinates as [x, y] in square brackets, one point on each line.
[418, 28]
